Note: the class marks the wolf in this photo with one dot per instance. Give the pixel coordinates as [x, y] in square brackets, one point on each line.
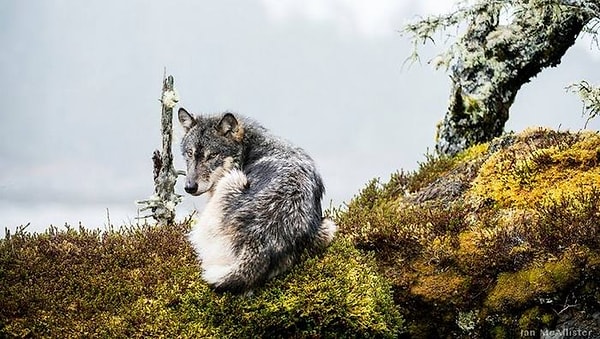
[264, 201]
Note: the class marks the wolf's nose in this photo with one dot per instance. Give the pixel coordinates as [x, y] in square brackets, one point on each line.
[191, 188]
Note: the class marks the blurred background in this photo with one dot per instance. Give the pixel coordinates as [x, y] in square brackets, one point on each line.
[80, 83]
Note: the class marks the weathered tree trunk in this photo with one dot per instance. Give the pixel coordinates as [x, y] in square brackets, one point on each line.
[492, 61]
[163, 202]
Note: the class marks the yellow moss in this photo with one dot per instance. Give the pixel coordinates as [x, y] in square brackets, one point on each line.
[522, 287]
[494, 242]
[447, 286]
[537, 171]
[473, 152]
[439, 249]
[470, 253]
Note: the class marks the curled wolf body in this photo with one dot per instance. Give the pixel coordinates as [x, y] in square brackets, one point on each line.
[264, 205]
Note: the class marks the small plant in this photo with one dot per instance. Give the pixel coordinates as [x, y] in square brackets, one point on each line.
[590, 95]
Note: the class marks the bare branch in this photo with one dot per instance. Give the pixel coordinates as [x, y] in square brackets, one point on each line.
[163, 202]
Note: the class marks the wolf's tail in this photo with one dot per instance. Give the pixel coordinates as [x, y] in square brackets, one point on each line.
[326, 231]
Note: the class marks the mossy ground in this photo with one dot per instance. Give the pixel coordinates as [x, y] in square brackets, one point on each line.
[500, 239]
[144, 282]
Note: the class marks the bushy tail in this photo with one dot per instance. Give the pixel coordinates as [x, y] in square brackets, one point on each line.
[326, 232]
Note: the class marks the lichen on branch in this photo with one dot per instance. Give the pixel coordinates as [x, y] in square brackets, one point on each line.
[590, 96]
[164, 200]
[505, 44]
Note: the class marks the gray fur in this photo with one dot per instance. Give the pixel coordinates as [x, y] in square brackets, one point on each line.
[264, 207]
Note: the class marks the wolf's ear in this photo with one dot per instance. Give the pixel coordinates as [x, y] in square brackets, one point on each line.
[186, 120]
[230, 127]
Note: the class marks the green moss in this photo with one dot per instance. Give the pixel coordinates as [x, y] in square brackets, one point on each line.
[352, 298]
[521, 288]
[144, 282]
[487, 243]
[472, 106]
[536, 317]
[499, 332]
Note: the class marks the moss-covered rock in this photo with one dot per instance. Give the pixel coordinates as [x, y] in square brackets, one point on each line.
[499, 239]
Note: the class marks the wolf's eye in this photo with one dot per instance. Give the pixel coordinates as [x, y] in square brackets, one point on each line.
[211, 156]
[189, 153]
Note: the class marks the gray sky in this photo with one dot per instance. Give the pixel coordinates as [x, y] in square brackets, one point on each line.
[81, 82]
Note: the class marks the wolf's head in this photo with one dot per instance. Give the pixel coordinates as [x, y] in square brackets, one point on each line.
[211, 146]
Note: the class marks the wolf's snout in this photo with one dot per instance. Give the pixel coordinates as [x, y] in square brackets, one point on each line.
[191, 188]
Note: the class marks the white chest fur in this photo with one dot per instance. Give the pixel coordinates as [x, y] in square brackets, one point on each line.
[211, 237]
[212, 244]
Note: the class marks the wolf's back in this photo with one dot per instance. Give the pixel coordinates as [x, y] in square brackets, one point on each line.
[263, 214]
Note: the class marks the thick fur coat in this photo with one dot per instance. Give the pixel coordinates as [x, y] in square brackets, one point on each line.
[264, 205]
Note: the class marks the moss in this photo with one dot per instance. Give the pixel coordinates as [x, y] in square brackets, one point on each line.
[144, 282]
[484, 244]
[442, 287]
[439, 166]
[337, 294]
[499, 332]
[521, 288]
[541, 166]
[430, 170]
[472, 106]
[475, 233]
[473, 152]
[497, 240]
[536, 317]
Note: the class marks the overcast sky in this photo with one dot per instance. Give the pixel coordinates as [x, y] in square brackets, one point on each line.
[81, 80]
